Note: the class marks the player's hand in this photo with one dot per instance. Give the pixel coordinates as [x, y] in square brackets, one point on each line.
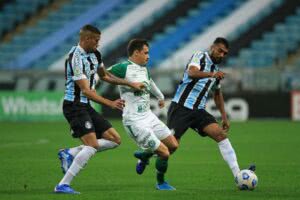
[161, 103]
[137, 85]
[225, 125]
[118, 104]
[219, 75]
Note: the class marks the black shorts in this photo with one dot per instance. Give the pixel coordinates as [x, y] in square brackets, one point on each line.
[84, 119]
[181, 118]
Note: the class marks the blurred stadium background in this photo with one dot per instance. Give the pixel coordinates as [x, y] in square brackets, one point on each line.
[263, 65]
[262, 82]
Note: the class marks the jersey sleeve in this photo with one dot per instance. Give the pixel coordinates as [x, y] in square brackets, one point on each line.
[77, 67]
[119, 70]
[195, 60]
[156, 91]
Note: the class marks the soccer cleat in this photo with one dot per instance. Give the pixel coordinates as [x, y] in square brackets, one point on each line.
[164, 186]
[65, 189]
[141, 164]
[66, 159]
[252, 167]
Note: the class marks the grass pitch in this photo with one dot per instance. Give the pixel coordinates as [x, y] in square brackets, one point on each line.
[29, 167]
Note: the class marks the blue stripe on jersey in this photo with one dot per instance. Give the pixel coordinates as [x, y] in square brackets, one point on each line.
[86, 64]
[192, 93]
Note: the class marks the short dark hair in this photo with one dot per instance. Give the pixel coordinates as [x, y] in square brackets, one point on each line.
[136, 44]
[90, 28]
[222, 40]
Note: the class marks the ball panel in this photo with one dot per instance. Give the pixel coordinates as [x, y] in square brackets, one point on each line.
[246, 180]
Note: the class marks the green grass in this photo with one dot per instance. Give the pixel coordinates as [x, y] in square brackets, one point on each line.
[29, 167]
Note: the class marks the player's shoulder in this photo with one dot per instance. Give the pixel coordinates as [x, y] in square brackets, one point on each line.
[123, 64]
[119, 66]
[199, 53]
[77, 52]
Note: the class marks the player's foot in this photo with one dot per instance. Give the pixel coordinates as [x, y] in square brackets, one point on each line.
[164, 186]
[141, 164]
[66, 159]
[252, 167]
[65, 189]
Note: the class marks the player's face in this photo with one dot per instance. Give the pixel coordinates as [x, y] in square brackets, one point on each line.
[92, 42]
[143, 55]
[218, 52]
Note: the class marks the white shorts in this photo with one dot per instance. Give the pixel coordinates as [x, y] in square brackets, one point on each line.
[147, 132]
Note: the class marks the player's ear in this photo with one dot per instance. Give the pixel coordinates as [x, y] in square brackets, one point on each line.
[136, 52]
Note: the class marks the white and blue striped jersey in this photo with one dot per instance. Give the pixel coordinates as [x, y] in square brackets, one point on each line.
[192, 93]
[80, 65]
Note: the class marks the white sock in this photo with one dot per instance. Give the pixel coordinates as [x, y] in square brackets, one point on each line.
[106, 144]
[229, 156]
[103, 143]
[78, 163]
[75, 150]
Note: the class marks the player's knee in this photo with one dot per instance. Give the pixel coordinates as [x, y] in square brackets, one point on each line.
[117, 140]
[221, 136]
[95, 146]
[163, 152]
[173, 147]
[165, 155]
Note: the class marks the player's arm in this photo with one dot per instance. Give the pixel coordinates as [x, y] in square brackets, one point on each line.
[157, 93]
[219, 101]
[194, 72]
[110, 78]
[92, 95]
[80, 79]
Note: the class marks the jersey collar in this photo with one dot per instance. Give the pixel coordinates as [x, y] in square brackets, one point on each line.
[209, 59]
[135, 63]
[81, 50]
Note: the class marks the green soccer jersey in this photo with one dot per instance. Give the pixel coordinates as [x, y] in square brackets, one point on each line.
[137, 103]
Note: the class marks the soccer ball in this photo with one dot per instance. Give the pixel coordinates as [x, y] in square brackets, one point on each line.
[246, 180]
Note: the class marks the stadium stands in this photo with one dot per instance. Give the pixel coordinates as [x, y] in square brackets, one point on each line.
[14, 13]
[135, 20]
[207, 12]
[229, 27]
[91, 11]
[261, 33]
[179, 9]
[273, 47]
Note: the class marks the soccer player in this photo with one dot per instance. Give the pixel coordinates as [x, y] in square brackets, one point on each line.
[149, 133]
[95, 132]
[187, 109]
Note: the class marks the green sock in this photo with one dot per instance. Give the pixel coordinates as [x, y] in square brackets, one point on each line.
[161, 166]
[146, 155]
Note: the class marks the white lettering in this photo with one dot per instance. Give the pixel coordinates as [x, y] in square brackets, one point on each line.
[22, 106]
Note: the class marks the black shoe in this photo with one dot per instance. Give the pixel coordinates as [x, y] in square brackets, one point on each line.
[252, 167]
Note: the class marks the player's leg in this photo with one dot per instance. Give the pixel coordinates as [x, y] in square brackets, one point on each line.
[141, 132]
[215, 132]
[107, 138]
[171, 143]
[83, 128]
[110, 140]
[89, 149]
[161, 166]
[163, 133]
